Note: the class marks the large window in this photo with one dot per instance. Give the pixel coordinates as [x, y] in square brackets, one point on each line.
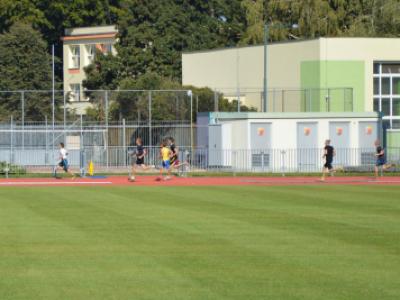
[387, 92]
[75, 94]
[75, 57]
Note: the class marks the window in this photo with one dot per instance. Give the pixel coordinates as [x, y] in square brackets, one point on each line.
[75, 94]
[376, 86]
[387, 91]
[385, 108]
[396, 124]
[104, 48]
[391, 68]
[396, 107]
[396, 86]
[75, 57]
[376, 104]
[90, 54]
[385, 86]
[107, 48]
[377, 68]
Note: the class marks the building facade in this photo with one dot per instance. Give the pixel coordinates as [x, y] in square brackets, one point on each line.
[254, 141]
[321, 75]
[79, 49]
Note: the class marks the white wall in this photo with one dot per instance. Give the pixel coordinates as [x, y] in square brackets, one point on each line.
[226, 70]
[284, 137]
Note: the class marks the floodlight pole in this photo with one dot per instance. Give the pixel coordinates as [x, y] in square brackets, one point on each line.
[52, 92]
[266, 34]
[191, 119]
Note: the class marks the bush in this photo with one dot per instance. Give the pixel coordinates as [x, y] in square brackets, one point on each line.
[12, 169]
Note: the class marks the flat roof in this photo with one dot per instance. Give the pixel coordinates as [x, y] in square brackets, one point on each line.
[290, 115]
[285, 42]
[93, 30]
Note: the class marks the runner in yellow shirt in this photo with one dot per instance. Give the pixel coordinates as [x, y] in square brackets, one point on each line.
[165, 153]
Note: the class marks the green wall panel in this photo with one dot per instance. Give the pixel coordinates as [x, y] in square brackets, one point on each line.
[333, 74]
[393, 139]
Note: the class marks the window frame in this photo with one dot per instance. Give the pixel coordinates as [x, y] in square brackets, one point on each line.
[377, 65]
[77, 92]
[75, 58]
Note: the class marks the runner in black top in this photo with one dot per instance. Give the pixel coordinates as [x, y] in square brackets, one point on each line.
[140, 153]
[329, 153]
[174, 152]
[174, 159]
[380, 159]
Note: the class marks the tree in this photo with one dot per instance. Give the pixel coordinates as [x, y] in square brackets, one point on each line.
[153, 34]
[254, 33]
[25, 11]
[25, 65]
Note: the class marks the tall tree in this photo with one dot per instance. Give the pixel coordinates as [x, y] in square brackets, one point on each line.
[25, 65]
[254, 33]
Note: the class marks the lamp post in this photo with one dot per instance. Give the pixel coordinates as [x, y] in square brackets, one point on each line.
[266, 36]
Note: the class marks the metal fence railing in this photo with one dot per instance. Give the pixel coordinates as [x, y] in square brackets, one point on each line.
[117, 158]
[31, 106]
[293, 99]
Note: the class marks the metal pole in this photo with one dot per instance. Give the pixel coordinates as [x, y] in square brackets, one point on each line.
[191, 121]
[11, 139]
[197, 103]
[215, 101]
[81, 151]
[65, 109]
[237, 80]
[150, 133]
[265, 68]
[65, 114]
[46, 139]
[52, 92]
[106, 121]
[23, 119]
[124, 141]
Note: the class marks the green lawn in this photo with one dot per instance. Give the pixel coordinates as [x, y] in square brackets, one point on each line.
[321, 242]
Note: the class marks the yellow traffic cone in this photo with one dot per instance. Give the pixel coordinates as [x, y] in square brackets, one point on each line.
[91, 168]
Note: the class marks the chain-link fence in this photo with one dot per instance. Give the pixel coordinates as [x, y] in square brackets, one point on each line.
[32, 106]
[288, 99]
[197, 159]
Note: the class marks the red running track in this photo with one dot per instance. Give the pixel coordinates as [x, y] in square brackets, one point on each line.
[200, 181]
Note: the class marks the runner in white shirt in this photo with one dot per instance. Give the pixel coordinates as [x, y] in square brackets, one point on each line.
[63, 161]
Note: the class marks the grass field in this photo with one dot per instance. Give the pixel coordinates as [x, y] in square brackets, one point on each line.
[303, 242]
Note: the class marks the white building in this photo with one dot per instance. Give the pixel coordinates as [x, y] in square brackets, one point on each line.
[79, 49]
[289, 141]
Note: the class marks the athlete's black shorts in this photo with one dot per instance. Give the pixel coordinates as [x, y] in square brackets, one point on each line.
[328, 165]
[140, 161]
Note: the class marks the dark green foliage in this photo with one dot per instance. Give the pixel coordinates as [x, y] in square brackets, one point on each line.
[153, 34]
[25, 65]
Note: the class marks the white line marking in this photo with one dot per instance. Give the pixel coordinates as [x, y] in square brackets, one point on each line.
[55, 183]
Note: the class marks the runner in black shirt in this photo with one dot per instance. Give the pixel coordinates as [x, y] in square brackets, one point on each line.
[329, 153]
[380, 159]
[140, 153]
[175, 163]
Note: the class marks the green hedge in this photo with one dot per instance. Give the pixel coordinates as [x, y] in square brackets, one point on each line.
[12, 169]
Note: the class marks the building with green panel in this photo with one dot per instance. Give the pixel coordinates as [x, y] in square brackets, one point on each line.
[319, 75]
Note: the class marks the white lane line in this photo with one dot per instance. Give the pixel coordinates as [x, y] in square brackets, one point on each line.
[55, 183]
